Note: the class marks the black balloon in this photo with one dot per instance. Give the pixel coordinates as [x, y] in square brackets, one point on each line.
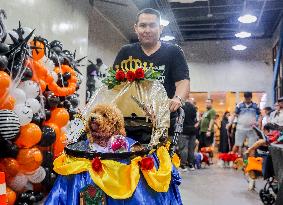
[48, 136]
[4, 48]
[67, 104]
[67, 76]
[36, 119]
[8, 149]
[47, 114]
[47, 159]
[52, 101]
[27, 74]
[74, 100]
[3, 62]
[72, 112]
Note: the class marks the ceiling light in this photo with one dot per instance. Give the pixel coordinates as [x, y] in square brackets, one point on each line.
[243, 34]
[167, 38]
[239, 47]
[164, 22]
[248, 18]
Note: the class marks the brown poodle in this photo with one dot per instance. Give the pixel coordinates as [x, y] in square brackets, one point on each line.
[105, 121]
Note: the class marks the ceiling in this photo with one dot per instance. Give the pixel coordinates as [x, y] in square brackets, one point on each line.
[217, 19]
[193, 20]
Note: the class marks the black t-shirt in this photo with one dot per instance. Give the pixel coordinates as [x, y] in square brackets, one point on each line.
[169, 60]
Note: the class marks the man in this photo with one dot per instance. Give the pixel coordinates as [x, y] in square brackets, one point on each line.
[186, 142]
[164, 57]
[207, 125]
[101, 73]
[276, 117]
[247, 113]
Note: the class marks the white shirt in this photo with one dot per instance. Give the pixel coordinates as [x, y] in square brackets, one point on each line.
[276, 117]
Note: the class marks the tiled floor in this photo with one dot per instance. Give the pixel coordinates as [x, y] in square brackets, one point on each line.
[217, 186]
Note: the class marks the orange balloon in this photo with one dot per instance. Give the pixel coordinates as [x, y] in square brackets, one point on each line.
[59, 116]
[10, 166]
[8, 104]
[29, 159]
[59, 144]
[11, 196]
[30, 135]
[5, 82]
[37, 53]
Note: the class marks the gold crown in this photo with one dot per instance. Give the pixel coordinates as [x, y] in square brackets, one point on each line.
[132, 64]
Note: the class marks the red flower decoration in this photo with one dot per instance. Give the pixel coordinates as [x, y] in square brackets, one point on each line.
[147, 163]
[131, 76]
[120, 75]
[139, 73]
[96, 164]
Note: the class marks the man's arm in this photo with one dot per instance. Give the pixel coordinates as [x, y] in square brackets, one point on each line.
[182, 92]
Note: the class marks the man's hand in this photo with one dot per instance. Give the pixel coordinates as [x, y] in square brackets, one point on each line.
[174, 104]
[208, 133]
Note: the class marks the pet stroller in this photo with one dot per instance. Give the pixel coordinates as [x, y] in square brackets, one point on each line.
[269, 192]
[90, 177]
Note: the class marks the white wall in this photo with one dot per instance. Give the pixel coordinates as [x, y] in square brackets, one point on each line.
[63, 20]
[105, 39]
[214, 66]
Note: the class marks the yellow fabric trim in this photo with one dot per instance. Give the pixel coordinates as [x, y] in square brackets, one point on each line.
[176, 160]
[116, 179]
[159, 180]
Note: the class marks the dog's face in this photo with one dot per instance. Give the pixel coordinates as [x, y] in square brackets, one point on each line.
[105, 121]
[239, 164]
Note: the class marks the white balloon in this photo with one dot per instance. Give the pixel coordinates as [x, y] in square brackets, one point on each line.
[38, 176]
[33, 104]
[31, 88]
[54, 75]
[19, 95]
[19, 182]
[24, 113]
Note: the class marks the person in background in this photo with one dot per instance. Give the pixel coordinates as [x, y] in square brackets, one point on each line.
[216, 131]
[102, 69]
[224, 146]
[247, 113]
[265, 116]
[207, 125]
[276, 117]
[186, 142]
[101, 73]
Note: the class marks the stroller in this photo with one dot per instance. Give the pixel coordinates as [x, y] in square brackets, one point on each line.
[269, 192]
[122, 182]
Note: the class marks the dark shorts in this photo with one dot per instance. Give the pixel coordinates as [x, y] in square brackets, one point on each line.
[205, 141]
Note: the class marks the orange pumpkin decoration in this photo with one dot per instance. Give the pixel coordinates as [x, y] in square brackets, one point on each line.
[38, 52]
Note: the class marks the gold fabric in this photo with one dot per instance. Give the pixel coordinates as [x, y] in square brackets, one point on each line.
[116, 179]
[151, 93]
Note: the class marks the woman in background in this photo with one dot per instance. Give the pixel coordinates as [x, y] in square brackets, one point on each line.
[224, 137]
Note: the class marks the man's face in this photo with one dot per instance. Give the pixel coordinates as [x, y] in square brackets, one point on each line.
[248, 99]
[276, 106]
[148, 29]
[208, 104]
[280, 104]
